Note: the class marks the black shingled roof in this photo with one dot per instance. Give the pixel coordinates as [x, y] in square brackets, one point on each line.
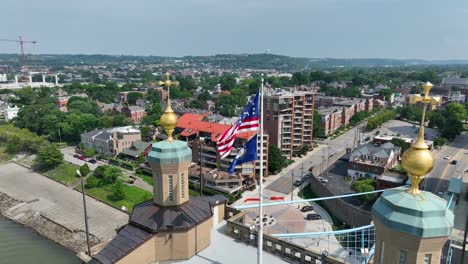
[154, 218]
[128, 239]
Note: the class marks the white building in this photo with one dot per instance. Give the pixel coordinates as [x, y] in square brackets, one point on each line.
[10, 112]
[456, 96]
[3, 78]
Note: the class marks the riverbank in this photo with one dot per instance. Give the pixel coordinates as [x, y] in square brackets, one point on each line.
[74, 241]
[54, 210]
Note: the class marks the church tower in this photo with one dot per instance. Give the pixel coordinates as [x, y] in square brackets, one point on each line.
[170, 160]
[412, 225]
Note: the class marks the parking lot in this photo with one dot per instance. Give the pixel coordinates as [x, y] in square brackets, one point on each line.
[68, 153]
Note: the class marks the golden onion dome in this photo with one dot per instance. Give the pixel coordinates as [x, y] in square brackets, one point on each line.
[169, 120]
[418, 160]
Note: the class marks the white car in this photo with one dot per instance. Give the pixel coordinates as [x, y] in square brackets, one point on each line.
[323, 180]
[447, 157]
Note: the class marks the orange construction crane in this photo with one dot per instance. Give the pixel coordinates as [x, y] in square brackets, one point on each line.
[23, 57]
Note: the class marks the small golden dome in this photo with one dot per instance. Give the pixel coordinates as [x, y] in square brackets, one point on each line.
[169, 120]
[417, 162]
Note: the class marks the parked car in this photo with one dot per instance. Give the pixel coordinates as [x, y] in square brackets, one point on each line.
[307, 208]
[93, 161]
[454, 162]
[76, 156]
[313, 217]
[81, 157]
[297, 183]
[323, 180]
[447, 157]
[440, 194]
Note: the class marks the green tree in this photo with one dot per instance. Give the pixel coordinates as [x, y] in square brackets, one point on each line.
[100, 171]
[400, 143]
[49, 156]
[318, 129]
[197, 104]
[84, 170]
[91, 182]
[118, 192]
[111, 174]
[457, 111]
[364, 185]
[89, 152]
[452, 128]
[276, 161]
[132, 97]
[439, 142]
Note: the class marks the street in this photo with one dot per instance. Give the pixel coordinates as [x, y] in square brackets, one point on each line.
[438, 179]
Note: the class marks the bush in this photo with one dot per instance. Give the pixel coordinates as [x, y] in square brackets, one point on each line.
[84, 170]
[91, 182]
[49, 156]
[109, 174]
[118, 192]
[123, 164]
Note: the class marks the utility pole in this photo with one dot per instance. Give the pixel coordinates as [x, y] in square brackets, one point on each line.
[292, 184]
[328, 160]
[200, 141]
[85, 211]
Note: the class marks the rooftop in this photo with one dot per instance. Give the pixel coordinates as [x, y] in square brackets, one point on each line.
[192, 124]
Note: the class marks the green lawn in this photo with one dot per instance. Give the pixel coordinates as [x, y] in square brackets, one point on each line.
[133, 196]
[148, 179]
[64, 173]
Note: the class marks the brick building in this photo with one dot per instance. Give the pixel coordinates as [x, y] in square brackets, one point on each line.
[191, 127]
[336, 112]
[288, 118]
[135, 112]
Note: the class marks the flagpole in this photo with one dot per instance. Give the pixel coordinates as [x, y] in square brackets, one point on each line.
[260, 185]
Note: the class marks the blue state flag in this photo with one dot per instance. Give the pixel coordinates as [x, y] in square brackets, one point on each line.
[247, 153]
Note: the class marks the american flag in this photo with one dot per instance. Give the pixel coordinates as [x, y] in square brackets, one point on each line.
[248, 121]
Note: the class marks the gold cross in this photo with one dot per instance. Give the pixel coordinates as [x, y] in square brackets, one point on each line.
[426, 99]
[168, 83]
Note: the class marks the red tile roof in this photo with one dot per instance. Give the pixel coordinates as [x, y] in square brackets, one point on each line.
[192, 124]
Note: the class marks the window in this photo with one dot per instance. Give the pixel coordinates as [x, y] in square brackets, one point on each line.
[403, 254]
[427, 258]
[182, 185]
[170, 191]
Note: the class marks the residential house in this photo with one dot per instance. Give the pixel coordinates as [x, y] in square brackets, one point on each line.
[110, 141]
[370, 161]
[137, 149]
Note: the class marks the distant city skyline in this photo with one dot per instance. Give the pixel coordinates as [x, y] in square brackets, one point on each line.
[394, 29]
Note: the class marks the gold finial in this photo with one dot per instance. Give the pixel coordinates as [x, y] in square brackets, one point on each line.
[418, 160]
[169, 118]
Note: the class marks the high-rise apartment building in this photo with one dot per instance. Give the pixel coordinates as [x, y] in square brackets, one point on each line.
[288, 118]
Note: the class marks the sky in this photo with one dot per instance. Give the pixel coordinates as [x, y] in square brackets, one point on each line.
[402, 29]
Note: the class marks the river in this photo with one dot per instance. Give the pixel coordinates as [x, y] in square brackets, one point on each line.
[21, 245]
